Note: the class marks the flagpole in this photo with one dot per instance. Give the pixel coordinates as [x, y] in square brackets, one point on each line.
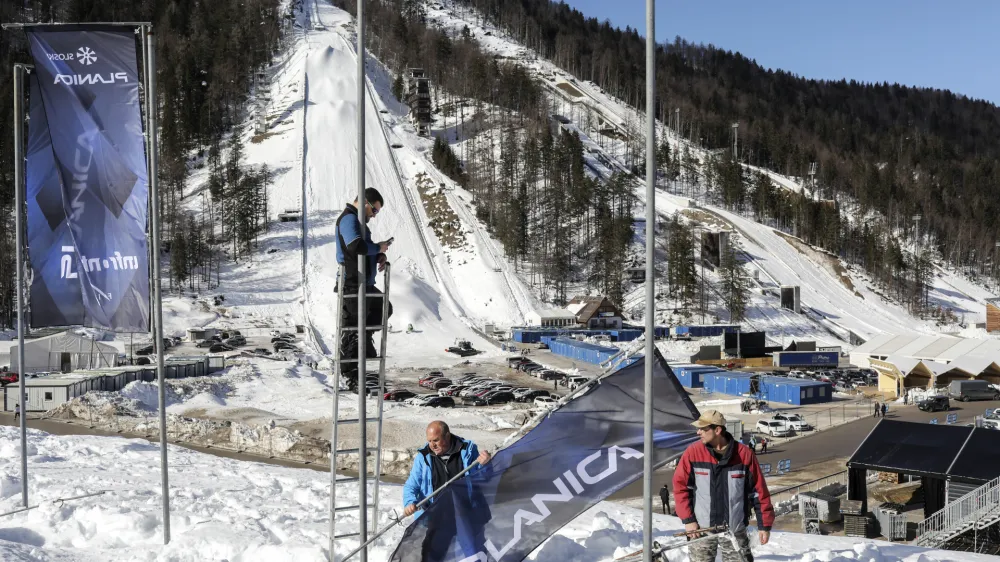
[647, 473]
[362, 282]
[19, 242]
[154, 194]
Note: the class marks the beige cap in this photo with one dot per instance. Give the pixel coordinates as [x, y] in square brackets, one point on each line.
[710, 417]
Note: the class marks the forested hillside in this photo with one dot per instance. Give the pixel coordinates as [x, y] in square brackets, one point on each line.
[207, 53]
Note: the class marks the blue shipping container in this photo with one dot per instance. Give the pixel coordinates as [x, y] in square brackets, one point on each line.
[582, 351]
[806, 359]
[693, 376]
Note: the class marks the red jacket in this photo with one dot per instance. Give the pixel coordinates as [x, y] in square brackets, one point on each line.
[721, 492]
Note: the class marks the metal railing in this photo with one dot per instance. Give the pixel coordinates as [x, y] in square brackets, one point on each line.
[790, 492]
[959, 514]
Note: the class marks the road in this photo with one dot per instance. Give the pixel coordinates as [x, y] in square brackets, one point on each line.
[837, 442]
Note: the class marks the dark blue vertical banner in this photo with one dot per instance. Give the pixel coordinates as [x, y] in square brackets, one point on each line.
[87, 183]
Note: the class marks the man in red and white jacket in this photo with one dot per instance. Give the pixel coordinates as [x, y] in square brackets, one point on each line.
[717, 482]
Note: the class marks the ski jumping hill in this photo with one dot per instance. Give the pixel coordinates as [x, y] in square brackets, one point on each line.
[426, 290]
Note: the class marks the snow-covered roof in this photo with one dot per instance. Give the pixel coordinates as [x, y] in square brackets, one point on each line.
[943, 349]
[555, 313]
[575, 307]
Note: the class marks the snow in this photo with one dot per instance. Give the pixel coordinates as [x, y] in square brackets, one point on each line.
[225, 509]
[433, 298]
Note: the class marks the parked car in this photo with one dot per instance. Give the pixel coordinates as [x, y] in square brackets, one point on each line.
[206, 343]
[236, 341]
[438, 384]
[145, 360]
[934, 404]
[221, 347]
[8, 378]
[774, 428]
[145, 350]
[452, 390]
[530, 396]
[428, 382]
[574, 382]
[794, 421]
[278, 346]
[399, 395]
[261, 351]
[545, 402]
[440, 402]
[419, 399]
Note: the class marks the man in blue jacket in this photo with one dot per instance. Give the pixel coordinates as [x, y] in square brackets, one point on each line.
[350, 245]
[444, 457]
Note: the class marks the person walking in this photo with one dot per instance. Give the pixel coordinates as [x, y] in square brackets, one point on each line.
[350, 245]
[441, 459]
[763, 445]
[877, 409]
[17, 412]
[718, 482]
[885, 408]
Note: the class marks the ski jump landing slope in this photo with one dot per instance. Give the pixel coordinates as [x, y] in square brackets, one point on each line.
[331, 181]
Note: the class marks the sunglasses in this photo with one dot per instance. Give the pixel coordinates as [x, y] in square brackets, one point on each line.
[375, 210]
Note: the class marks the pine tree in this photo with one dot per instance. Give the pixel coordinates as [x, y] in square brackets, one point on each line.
[397, 86]
[734, 283]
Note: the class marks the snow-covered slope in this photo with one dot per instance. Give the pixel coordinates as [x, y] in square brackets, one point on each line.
[838, 300]
[441, 302]
[224, 509]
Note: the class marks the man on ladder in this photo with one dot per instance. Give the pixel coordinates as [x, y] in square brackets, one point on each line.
[350, 245]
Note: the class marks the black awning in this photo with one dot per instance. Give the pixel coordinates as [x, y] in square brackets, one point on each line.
[978, 462]
[920, 449]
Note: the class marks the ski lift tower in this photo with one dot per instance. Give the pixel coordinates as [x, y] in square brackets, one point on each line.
[262, 87]
[812, 179]
[736, 128]
[418, 97]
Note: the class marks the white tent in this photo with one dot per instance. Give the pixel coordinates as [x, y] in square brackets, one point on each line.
[64, 352]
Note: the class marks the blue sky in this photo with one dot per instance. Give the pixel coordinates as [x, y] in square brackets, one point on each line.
[948, 44]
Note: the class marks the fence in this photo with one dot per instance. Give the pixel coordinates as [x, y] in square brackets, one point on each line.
[836, 415]
[749, 362]
[790, 492]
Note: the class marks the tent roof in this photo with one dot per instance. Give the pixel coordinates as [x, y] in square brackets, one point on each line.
[979, 459]
[971, 365]
[912, 448]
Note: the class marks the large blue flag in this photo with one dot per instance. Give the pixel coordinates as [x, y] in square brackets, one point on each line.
[577, 456]
[86, 180]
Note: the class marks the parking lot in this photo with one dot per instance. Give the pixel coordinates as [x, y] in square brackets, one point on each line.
[257, 339]
[408, 379]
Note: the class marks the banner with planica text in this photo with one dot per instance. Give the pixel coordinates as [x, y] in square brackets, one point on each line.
[87, 181]
[580, 454]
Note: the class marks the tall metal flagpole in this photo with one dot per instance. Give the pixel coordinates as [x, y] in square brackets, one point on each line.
[18, 206]
[647, 461]
[362, 259]
[154, 194]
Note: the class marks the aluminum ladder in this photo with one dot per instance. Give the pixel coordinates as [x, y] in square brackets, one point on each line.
[976, 510]
[339, 386]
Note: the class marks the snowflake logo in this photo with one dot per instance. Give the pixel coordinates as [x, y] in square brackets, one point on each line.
[86, 56]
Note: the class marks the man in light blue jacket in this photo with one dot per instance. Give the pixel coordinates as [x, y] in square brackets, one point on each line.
[444, 457]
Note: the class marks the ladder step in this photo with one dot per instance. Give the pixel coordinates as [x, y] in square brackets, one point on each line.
[342, 361]
[354, 295]
[348, 451]
[355, 328]
[346, 535]
[348, 480]
[351, 421]
[350, 507]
